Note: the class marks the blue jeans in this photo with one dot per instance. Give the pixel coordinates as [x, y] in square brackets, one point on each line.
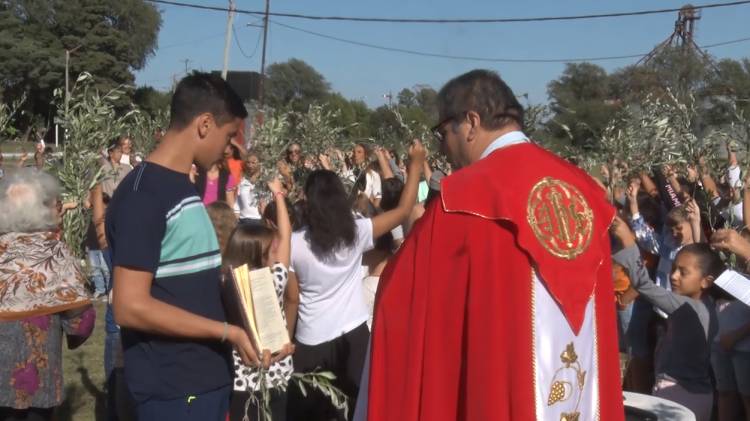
[99, 271]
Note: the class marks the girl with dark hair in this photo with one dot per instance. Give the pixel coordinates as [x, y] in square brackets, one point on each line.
[682, 365]
[331, 332]
[217, 183]
[259, 246]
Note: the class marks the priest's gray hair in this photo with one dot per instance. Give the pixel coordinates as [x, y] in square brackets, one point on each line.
[28, 200]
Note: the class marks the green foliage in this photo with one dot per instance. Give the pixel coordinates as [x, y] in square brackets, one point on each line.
[581, 102]
[152, 101]
[294, 84]
[321, 381]
[115, 37]
[143, 128]
[91, 122]
[7, 114]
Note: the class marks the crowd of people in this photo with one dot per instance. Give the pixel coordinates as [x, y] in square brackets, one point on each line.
[167, 229]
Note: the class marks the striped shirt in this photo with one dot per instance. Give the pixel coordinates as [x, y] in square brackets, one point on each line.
[157, 223]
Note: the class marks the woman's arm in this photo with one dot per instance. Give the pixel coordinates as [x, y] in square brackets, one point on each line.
[386, 221]
[291, 303]
[282, 222]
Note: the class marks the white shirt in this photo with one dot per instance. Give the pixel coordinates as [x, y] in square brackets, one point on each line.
[248, 200]
[508, 139]
[331, 297]
[373, 186]
[126, 159]
[734, 175]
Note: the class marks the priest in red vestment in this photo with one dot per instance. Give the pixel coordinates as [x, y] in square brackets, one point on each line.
[499, 305]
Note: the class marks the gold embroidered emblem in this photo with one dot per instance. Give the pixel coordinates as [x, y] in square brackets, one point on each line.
[562, 389]
[560, 217]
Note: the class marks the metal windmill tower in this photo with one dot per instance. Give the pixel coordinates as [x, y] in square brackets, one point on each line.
[683, 36]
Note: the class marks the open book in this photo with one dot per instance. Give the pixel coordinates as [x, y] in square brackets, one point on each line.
[735, 284]
[259, 310]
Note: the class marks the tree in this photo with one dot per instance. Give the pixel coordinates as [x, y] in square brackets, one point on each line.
[295, 84]
[114, 38]
[427, 101]
[582, 103]
[152, 101]
[406, 98]
[728, 90]
[353, 115]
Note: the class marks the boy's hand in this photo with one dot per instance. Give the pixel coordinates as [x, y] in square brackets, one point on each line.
[244, 346]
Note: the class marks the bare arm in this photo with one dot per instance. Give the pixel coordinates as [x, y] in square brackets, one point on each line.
[97, 204]
[282, 222]
[386, 221]
[291, 303]
[385, 166]
[231, 197]
[135, 308]
[427, 171]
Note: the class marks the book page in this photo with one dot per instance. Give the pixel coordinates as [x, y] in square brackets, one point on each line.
[735, 284]
[270, 323]
[242, 280]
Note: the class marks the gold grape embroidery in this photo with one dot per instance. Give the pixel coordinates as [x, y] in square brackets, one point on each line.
[562, 388]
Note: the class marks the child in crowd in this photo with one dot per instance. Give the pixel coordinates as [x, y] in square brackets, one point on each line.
[682, 377]
[259, 246]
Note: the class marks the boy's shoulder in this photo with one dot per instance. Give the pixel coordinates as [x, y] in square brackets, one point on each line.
[153, 184]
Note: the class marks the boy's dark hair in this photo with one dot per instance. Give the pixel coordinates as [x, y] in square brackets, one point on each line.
[484, 92]
[709, 260]
[200, 93]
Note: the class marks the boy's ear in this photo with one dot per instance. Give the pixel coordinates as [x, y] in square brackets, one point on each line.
[204, 122]
[707, 282]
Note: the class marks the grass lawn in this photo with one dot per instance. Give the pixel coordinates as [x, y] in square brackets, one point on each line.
[83, 369]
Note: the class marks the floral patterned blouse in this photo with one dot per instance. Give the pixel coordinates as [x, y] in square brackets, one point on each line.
[31, 357]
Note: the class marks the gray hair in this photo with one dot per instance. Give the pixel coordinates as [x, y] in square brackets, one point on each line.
[27, 198]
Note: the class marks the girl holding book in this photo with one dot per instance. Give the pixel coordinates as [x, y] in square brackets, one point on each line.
[259, 246]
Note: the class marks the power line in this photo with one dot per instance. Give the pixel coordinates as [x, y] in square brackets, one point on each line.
[237, 41]
[719, 44]
[482, 59]
[448, 21]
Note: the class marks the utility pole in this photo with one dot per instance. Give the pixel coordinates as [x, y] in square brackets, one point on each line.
[228, 40]
[261, 90]
[186, 61]
[67, 77]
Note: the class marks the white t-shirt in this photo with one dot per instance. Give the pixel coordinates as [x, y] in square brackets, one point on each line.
[734, 175]
[373, 187]
[331, 297]
[248, 200]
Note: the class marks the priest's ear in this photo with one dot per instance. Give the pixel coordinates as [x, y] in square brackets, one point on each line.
[475, 122]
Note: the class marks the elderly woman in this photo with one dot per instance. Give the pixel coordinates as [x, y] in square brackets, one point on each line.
[42, 297]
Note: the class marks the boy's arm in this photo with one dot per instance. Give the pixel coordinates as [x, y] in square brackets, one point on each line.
[135, 308]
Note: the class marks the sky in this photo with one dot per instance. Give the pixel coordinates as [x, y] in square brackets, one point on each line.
[368, 74]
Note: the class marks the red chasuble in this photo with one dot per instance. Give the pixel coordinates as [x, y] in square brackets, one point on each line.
[499, 305]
